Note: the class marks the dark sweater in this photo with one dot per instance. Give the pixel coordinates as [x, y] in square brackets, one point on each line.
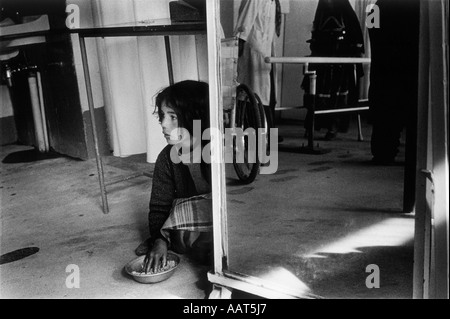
[171, 181]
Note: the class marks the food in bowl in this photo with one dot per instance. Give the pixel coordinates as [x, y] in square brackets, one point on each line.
[135, 269]
[169, 265]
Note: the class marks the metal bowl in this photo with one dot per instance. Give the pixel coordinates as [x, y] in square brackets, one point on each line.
[134, 268]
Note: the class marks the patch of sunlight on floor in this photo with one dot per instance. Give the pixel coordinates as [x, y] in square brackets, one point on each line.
[285, 280]
[390, 232]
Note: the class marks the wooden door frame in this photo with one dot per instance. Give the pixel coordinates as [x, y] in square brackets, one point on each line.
[430, 243]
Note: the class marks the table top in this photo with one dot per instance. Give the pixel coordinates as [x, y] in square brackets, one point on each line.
[154, 27]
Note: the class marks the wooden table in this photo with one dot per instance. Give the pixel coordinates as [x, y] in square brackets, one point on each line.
[156, 27]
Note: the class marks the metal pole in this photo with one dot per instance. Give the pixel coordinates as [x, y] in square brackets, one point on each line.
[93, 126]
[312, 107]
[169, 59]
[360, 135]
[316, 60]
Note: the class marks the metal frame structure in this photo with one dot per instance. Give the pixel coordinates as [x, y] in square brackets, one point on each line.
[163, 27]
[310, 148]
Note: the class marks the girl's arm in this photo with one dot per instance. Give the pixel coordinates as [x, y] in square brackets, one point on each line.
[162, 195]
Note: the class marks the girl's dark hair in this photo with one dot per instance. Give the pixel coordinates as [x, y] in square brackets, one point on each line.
[190, 101]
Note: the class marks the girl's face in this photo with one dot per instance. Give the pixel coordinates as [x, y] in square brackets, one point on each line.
[171, 128]
[169, 124]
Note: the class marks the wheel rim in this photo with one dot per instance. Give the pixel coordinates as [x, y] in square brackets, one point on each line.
[245, 119]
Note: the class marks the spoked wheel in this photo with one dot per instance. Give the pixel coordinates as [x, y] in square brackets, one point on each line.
[265, 124]
[266, 121]
[245, 156]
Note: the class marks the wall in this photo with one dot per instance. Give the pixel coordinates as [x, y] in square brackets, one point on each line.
[8, 132]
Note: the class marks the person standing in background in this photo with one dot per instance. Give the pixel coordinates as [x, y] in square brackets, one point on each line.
[393, 90]
[393, 78]
[257, 23]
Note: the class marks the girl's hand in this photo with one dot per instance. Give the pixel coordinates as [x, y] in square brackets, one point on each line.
[157, 255]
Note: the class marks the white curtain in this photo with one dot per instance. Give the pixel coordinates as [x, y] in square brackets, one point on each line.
[133, 69]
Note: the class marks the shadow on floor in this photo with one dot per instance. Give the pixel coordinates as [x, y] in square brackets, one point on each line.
[347, 275]
[28, 156]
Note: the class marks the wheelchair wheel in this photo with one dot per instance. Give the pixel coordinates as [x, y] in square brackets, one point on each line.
[264, 118]
[264, 122]
[245, 156]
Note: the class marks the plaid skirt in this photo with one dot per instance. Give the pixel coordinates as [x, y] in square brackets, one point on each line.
[189, 225]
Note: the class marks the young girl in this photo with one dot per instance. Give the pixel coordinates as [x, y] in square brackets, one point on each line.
[180, 205]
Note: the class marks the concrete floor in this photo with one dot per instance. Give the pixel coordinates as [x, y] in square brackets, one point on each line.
[55, 205]
[315, 225]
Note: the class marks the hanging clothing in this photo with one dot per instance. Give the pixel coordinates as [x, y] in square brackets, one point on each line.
[256, 25]
[336, 33]
[336, 30]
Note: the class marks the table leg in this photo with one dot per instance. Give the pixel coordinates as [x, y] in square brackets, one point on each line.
[93, 125]
[169, 59]
[360, 135]
[311, 106]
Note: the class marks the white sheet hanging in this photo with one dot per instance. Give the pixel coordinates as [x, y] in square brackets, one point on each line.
[136, 69]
